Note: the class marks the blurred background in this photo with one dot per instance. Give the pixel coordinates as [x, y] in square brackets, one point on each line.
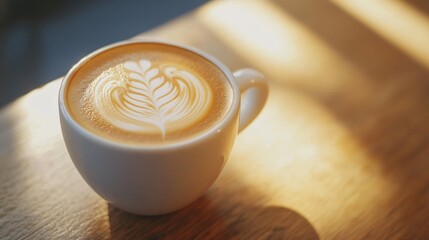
[41, 39]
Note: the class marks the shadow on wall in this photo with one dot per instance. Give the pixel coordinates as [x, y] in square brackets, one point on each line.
[40, 40]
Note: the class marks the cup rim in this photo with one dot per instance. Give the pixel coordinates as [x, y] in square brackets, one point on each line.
[216, 129]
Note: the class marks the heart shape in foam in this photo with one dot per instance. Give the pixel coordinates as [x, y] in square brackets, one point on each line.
[138, 97]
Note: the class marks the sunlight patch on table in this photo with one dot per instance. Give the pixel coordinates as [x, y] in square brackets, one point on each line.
[38, 111]
[43, 166]
[311, 162]
[278, 45]
[396, 21]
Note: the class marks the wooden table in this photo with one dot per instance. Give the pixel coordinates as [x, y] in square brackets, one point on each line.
[341, 150]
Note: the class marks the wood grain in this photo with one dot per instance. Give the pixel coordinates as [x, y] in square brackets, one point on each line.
[341, 150]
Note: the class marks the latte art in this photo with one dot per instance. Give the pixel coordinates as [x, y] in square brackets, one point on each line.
[148, 94]
[137, 96]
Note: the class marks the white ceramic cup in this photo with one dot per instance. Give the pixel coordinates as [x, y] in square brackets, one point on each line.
[152, 180]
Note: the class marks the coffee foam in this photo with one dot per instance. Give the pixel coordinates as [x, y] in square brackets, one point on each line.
[148, 94]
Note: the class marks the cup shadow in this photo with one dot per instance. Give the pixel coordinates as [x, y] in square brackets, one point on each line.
[203, 219]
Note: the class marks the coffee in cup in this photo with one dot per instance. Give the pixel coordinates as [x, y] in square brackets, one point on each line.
[148, 94]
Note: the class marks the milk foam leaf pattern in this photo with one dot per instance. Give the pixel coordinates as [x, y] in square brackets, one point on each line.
[138, 97]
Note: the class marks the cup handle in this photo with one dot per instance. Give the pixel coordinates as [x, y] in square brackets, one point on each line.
[254, 92]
